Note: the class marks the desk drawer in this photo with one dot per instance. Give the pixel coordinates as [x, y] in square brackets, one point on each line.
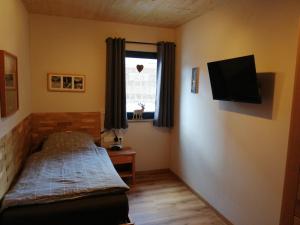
[121, 159]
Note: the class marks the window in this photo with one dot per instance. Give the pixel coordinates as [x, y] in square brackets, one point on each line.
[140, 82]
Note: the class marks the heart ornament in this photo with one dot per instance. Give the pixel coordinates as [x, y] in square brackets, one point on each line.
[139, 68]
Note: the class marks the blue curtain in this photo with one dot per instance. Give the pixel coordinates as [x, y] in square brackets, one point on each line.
[164, 105]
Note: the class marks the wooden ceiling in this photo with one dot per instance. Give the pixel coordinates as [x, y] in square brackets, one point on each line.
[162, 13]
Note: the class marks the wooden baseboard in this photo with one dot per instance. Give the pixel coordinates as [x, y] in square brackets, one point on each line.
[225, 220]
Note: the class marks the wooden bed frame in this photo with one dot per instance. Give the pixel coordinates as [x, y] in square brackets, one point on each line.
[43, 124]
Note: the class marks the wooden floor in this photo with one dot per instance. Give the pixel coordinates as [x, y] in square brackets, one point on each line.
[162, 199]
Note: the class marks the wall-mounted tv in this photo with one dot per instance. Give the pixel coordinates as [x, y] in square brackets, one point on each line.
[234, 80]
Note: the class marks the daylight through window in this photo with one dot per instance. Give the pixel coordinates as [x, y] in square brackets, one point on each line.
[140, 83]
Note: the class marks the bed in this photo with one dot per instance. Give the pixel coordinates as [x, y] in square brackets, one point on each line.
[69, 181]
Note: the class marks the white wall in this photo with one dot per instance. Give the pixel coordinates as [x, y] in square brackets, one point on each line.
[78, 46]
[152, 145]
[233, 154]
[14, 38]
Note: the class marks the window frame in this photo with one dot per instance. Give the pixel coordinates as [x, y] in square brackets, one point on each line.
[141, 55]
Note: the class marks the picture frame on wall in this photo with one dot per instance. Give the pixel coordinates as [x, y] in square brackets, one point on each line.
[10, 81]
[195, 80]
[66, 82]
[9, 95]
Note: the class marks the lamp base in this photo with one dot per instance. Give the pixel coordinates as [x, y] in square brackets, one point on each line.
[115, 147]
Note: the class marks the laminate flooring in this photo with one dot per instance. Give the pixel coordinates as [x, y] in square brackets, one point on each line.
[160, 198]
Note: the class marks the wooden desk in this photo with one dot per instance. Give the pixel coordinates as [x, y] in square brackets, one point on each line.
[125, 157]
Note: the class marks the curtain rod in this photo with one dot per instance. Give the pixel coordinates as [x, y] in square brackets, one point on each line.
[141, 43]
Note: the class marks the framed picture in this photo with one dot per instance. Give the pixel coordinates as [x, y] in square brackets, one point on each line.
[66, 82]
[9, 96]
[10, 81]
[195, 80]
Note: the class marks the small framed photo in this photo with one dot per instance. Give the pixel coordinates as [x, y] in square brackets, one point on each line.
[195, 80]
[66, 82]
[78, 83]
[10, 81]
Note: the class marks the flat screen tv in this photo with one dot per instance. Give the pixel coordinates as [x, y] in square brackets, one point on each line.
[234, 80]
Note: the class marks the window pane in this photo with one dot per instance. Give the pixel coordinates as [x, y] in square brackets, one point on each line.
[140, 87]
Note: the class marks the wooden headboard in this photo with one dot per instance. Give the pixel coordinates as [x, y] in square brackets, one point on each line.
[44, 124]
